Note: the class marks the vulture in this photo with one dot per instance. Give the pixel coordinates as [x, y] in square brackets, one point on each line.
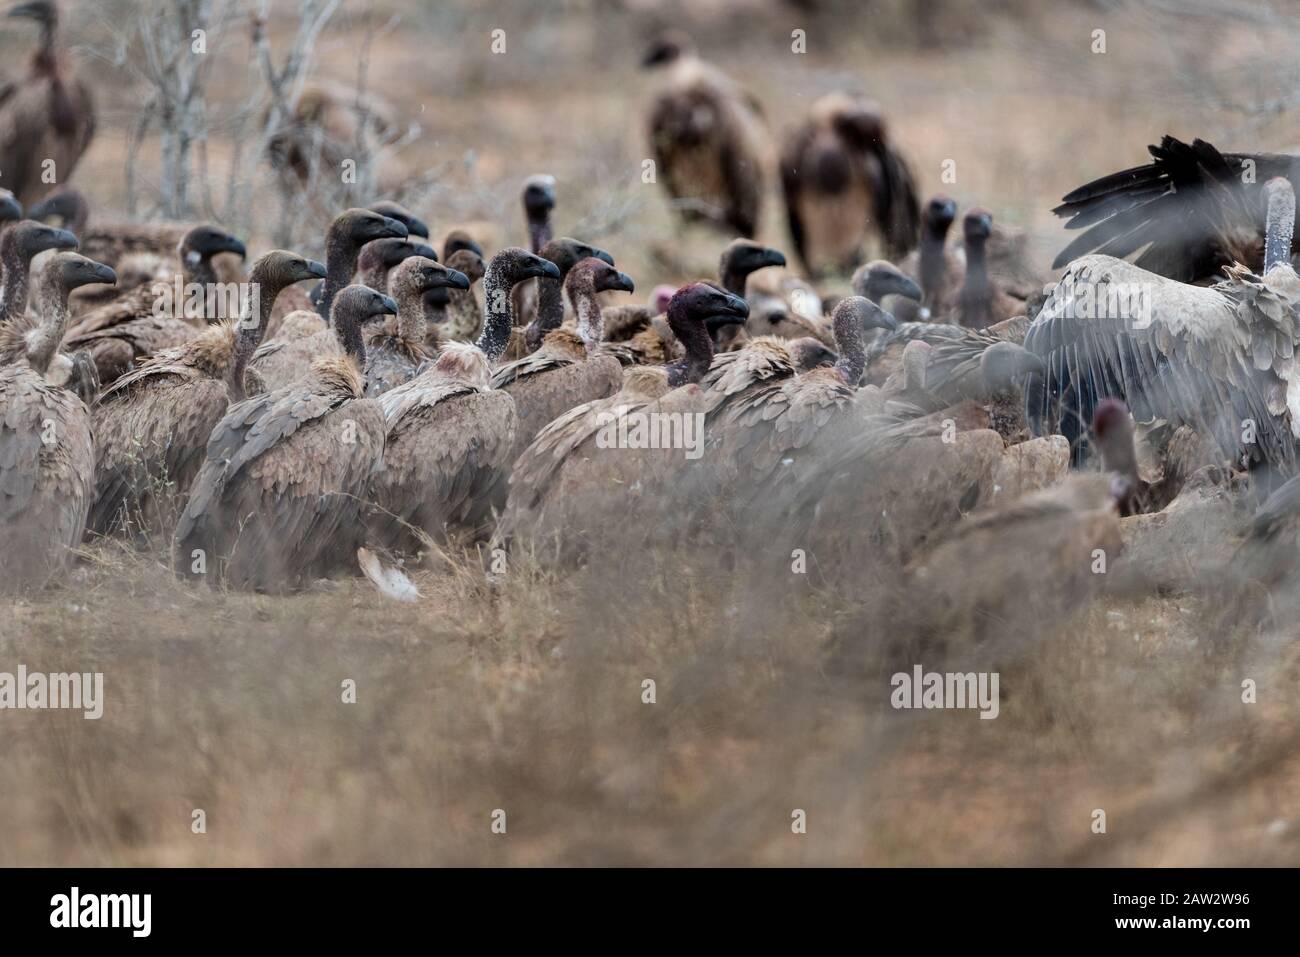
[844, 183]
[10, 209]
[415, 226]
[981, 301]
[878, 279]
[740, 259]
[19, 245]
[118, 334]
[560, 480]
[152, 425]
[278, 498]
[393, 357]
[460, 318]
[539, 203]
[569, 368]
[327, 122]
[47, 453]
[47, 116]
[450, 435]
[1217, 359]
[67, 206]
[565, 253]
[708, 140]
[348, 234]
[1188, 215]
[936, 268]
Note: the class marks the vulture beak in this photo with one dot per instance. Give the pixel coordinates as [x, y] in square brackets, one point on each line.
[315, 270]
[455, 279]
[54, 238]
[536, 266]
[602, 256]
[104, 274]
[418, 227]
[30, 10]
[906, 286]
[10, 208]
[623, 283]
[233, 245]
[389, 228]
[428, 252]
[733, 305]
[884, 320]
[475, 248]
[771, 257]
[388, 306]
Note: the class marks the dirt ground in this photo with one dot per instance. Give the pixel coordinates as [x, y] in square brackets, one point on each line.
[525, 694]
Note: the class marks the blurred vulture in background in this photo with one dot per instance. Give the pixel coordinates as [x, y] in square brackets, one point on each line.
[1220, 360]
[1195, 210]
[329, 123]
[707, 138]
[48, 115]
[844, 182]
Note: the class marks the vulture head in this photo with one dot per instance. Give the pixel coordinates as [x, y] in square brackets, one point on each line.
[977, 226]
[938, 216]
[742, 257]
[356, 227]
[878, 279]
[1004, 365]
[539, 197]
[281, 269]
[809, 353]
[858, 122]
[66, 271]
[594, 274]
[703, 302]
[203, 242]
[68, 207]
[27, 239]
[514, 265]
[419, 274]
[353, 307]
[44, 12]
[457, 240]
[666, 48]
[384, 254]
[414, 225]
[468, 261]
[10, 209]
[567, 253]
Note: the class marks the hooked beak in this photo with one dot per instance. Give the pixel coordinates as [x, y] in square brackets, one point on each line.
[390, 307]
[733, 305]
[104, 274]
[10, 208]
[418, 227]
[886, 321]
[772, 257]
[315, 269]
[428, 252]
[540, 268]
[233, 245]
[623, 283]
[455, 279]
[907, 287]
[390, 229]
[54, 238]
[602, 256]
[31, 10]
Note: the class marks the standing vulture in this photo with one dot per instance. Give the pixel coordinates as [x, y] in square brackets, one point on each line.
[708, 140]
[1220, 360]
[48, 116]
[450, 436]
[279, 496]
[845, 182]
[1191, 212]
[152, 425]
[47, 453]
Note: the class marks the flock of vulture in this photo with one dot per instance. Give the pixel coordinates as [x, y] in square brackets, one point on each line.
[953, 403]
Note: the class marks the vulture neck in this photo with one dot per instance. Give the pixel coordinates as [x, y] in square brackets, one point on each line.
[412, 325]
[341, 255]
[550, 312]
[347, 329]
[933, 264]
[1278, 229]
[591, 324]
[495, 337]
[45, 62]
[13, 291]
[540, 231]
[694, 337]
[372, 272]
[52, 300]
[248, 334]
[733, 278]
[849, 344]
[976, 290]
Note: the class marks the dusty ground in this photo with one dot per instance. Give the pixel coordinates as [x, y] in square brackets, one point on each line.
[526, 696]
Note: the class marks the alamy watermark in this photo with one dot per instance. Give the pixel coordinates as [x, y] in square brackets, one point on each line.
[945, 690]
[639, 429]
[1129, 301]
[211, 300]
[38, 690]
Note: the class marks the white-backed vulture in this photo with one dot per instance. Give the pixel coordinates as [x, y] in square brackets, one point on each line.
[415, 226]
[981, 301]
[539, 206]
[19, 245]
[877, 279]
[279, 497]
[565, 483]
[153, 424]
[46, 117]
[66, 206]
[844, 183]
[451, 437]
[392, 357]
[1220, 360]
[376, 261]
[460, 317]
[936, 268]
[708, 140]
[347, 235]
[47, 453]
[739, 260]
[1188, 215]
[289, 352]
[549, 311]
[568, 368]
[153, 317]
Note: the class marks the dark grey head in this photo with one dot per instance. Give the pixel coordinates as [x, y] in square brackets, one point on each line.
[44, 12]
[384, 254]
[358, 304]
[457, 240]
[71, 271]
[939, 215]
[280, 268]
[361, 226]
[977, 225]
[10, 209]
[878, 279]
[515, 265]
[744, 256]
[864, 312]
[419, 274]
[566, 253]
[68, 206]
[28, 238]
[704, 300]
[203, 242]
[539, 196]
[809, 353]
[1004, 364]
[414, 225]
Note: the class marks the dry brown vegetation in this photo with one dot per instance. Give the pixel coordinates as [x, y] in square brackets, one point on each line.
[525, 693]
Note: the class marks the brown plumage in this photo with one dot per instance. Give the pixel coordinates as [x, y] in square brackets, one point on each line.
[549, 310]
[153, 424]
[48, 116]
[566, 483]
[462, 313]
[392, 357]
[280, 493]
[845, 183]
[568, 368]
[708, 140]
[19, 245]
[47, 454]
[451, 438]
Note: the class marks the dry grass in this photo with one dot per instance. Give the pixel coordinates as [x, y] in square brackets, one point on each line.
[525, 695]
